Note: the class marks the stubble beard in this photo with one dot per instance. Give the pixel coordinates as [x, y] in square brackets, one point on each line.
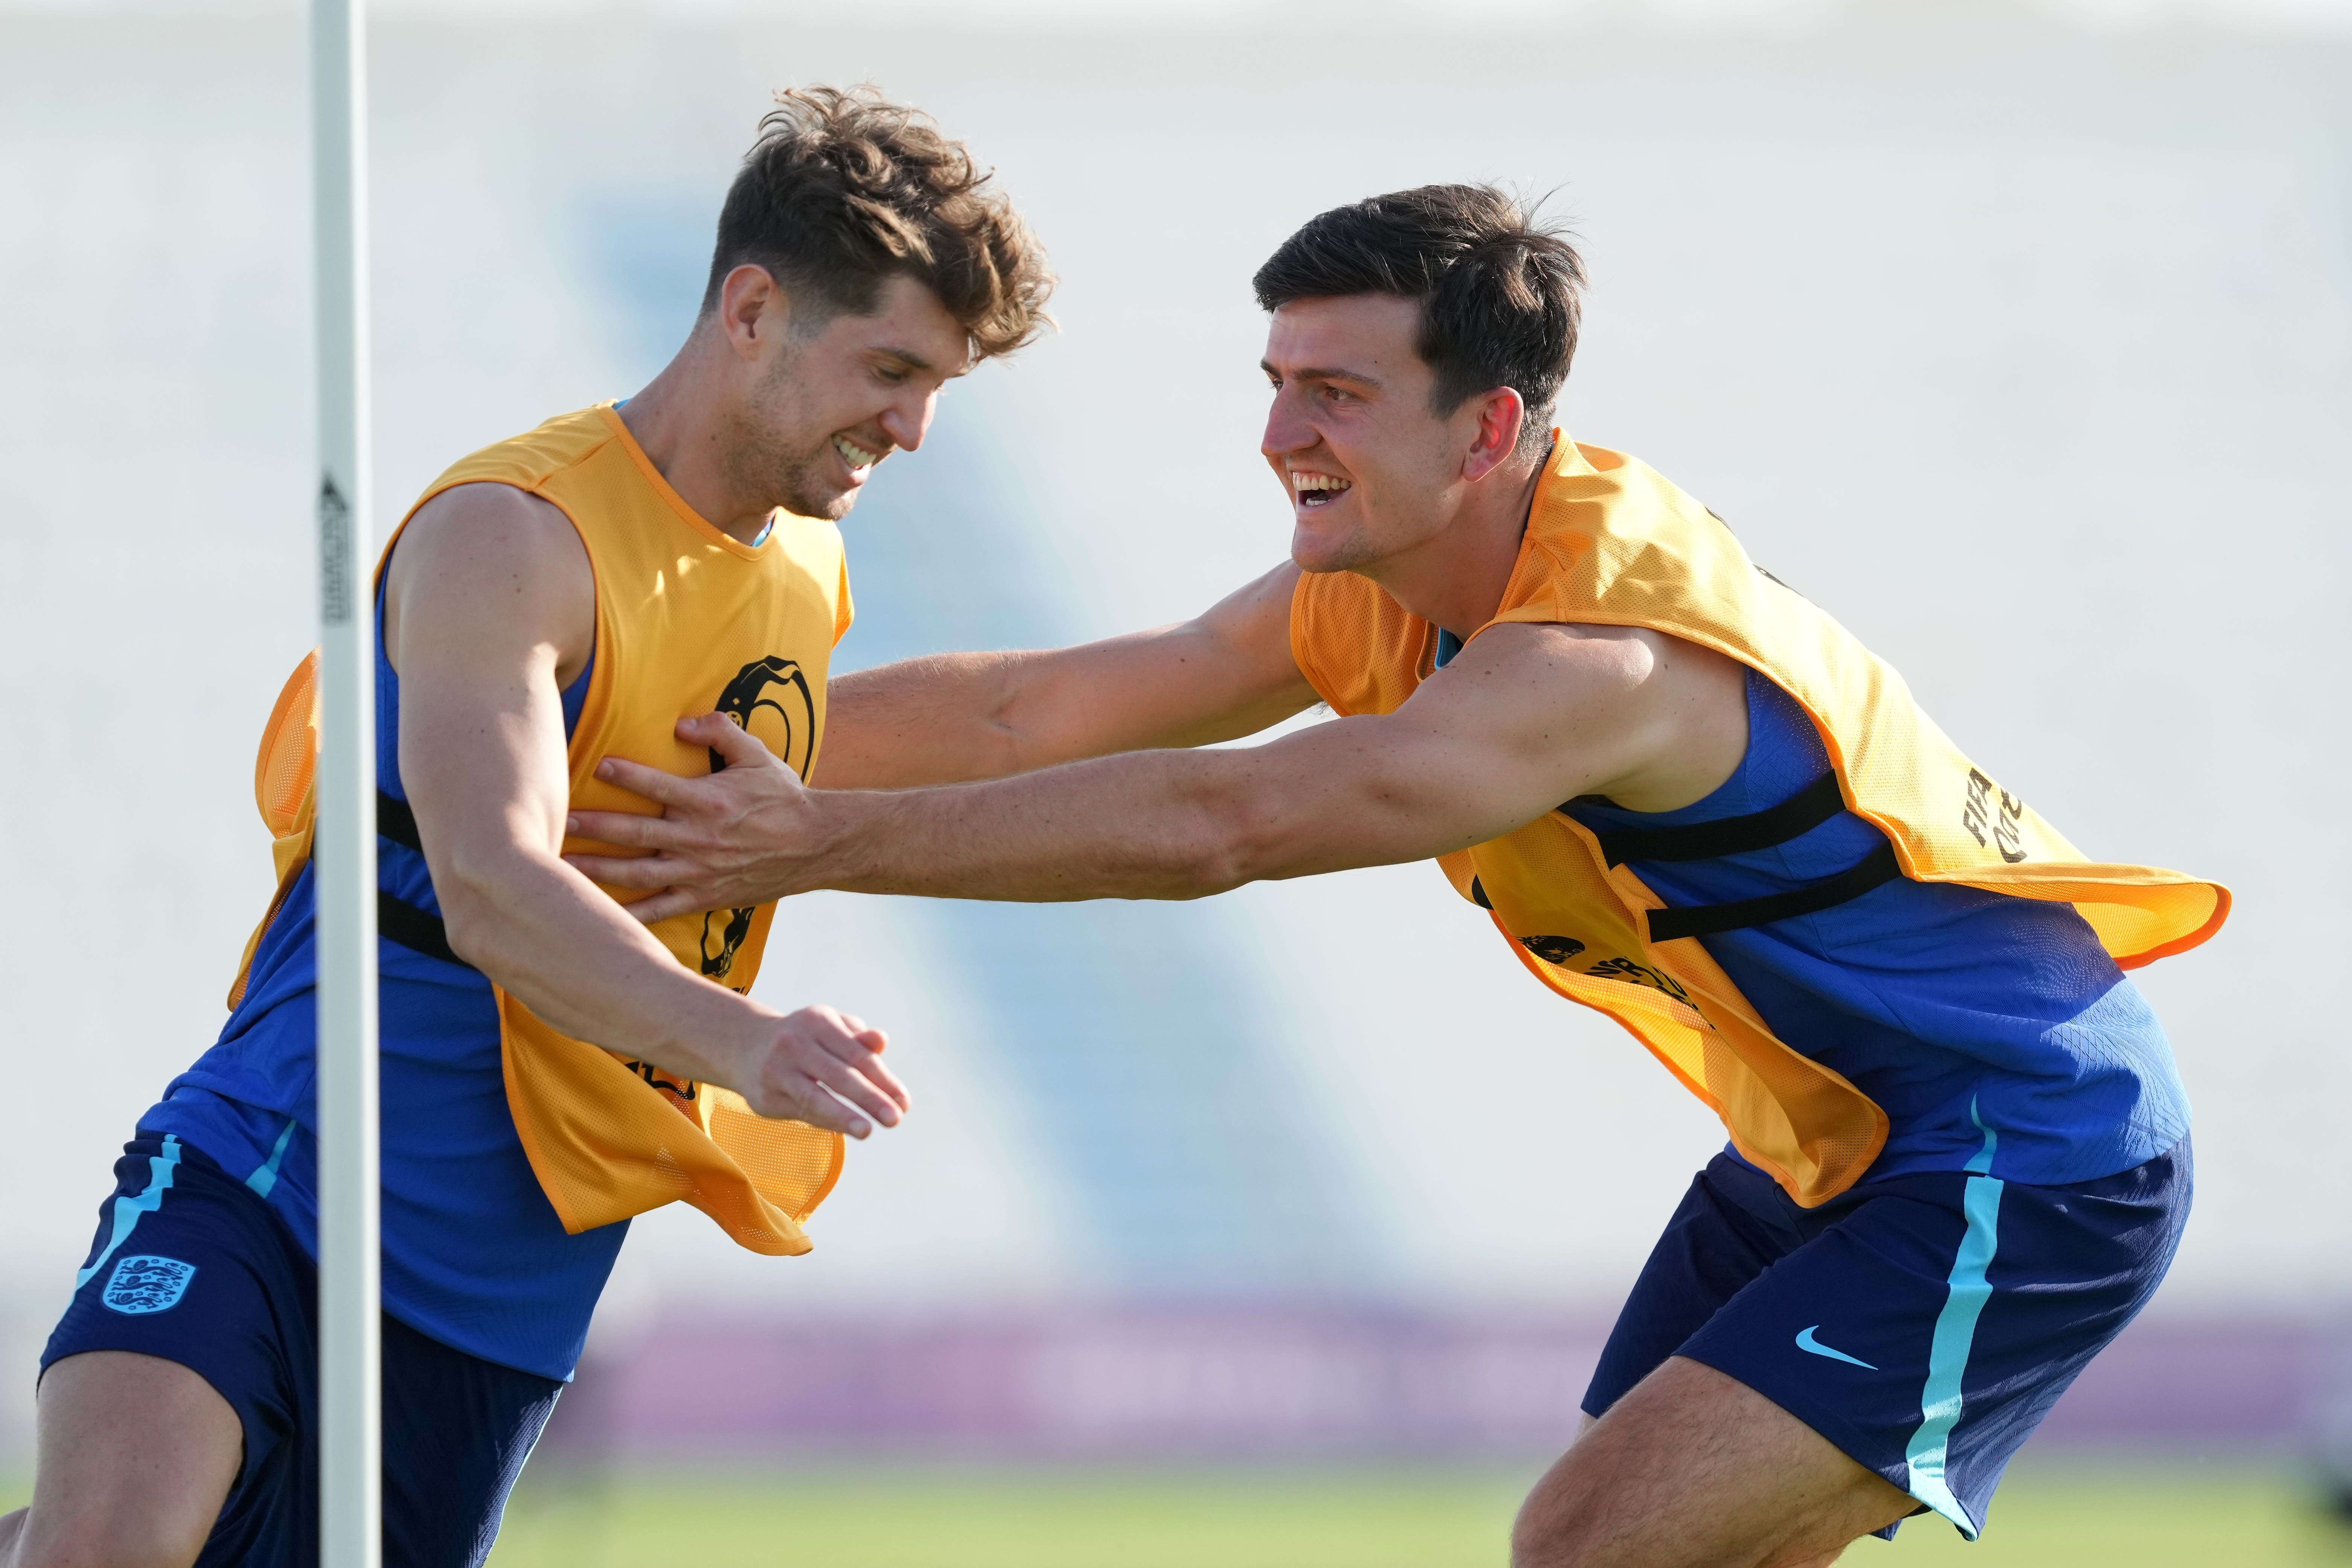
[799, 490]
[776, 468]
[1350, 550]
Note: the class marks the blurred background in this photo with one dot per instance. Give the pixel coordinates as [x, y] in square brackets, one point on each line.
[1281, 1227]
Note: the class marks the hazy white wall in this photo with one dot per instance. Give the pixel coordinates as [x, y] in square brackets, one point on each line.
[2019, 348]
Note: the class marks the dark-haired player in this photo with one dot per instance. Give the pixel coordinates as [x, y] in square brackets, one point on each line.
[1685, 796]
[552, 597]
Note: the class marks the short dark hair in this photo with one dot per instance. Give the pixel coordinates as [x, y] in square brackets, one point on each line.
[844, 189]
[1498, 287]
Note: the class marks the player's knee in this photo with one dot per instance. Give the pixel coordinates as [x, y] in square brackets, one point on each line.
[1562, 1525]
[1548, 1548]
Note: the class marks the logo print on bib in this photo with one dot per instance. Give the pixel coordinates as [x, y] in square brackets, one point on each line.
[769, 695]
[2008, 828]
[147, 1284]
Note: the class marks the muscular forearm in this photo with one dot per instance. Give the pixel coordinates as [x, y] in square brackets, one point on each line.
[952, 718]
[936, 720]
[1150, 825]
[1048, 839]
[559, 944]
[572, 954]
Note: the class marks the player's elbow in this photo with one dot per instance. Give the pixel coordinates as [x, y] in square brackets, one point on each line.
[471, 930]
[1238, 832]
[1266, 823]
[470, 887]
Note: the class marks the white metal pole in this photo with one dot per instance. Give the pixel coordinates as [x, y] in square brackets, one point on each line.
[350, 1432]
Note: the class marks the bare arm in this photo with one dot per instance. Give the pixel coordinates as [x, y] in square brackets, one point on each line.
[490, 609]
[957, 716]
[1525, 718]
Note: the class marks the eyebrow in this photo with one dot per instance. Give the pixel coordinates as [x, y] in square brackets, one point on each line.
[914, 361]
[1318, 373]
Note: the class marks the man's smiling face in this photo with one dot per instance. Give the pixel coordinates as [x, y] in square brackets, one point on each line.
[1372, 471]
[836, 397]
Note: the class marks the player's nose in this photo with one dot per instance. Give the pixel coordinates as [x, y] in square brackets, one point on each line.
[907, 424]
[1286, 427]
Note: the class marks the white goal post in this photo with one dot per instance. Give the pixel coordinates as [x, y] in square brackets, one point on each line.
[350, 1380]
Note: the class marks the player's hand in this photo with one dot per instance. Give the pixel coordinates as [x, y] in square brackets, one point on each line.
[823, 1067]
[724, 841]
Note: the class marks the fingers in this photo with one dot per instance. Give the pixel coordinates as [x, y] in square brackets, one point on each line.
[870, 1066]
[865, 1084]
[735, 745]
[810, 1103]
[667, 789]
[628, 829]
[853, 1040]
[662, 905]
[636, 871]
[866, 1035]
[830, 1072]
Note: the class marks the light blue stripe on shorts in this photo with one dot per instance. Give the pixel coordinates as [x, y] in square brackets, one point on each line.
[1956, 1333]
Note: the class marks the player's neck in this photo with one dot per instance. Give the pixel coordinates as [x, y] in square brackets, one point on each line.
[1456, 578]
[675, 422]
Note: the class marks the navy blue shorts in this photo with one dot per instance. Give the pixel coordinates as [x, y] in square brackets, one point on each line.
[191, 1266]
[1924, 1323]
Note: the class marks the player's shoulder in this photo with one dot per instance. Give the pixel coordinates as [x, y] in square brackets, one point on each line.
[529, 460]
[487, 527]
[1618, 653]
[482, 565]
[489, 503]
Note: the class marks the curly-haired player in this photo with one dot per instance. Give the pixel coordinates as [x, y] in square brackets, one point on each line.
[550, 1067]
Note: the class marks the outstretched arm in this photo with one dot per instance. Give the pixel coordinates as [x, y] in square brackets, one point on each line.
[489, 610]
[958, 716]
[1525, 718]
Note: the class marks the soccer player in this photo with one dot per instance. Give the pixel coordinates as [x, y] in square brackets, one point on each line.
[550, 1067]
[1958, 1157]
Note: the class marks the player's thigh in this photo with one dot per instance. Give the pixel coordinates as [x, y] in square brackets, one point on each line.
[1716, 1244]
[196, 1284]
[1694, 1469]
[456, 1430]
[136, 1455]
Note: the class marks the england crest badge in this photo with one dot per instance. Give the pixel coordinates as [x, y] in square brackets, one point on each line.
[147, 1284]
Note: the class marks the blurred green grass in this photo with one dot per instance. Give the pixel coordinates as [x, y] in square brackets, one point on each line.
[2150, 1514]
[2054, 1514]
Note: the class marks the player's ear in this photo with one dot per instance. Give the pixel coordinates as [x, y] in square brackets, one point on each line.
[1501, 413]
[751, 309]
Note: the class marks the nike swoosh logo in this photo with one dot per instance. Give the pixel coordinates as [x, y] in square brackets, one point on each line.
[1805, 1341]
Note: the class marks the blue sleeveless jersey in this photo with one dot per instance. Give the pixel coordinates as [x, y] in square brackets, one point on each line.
[1928, 997]
[473, 1254]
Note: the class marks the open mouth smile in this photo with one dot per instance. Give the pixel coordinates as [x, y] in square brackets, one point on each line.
[1312, 491]
[858, 459]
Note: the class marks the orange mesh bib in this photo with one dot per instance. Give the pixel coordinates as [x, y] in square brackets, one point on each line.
[688, 620]
[1610, 543]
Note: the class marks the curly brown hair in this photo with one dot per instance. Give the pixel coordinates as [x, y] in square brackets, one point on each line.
[844, 189]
